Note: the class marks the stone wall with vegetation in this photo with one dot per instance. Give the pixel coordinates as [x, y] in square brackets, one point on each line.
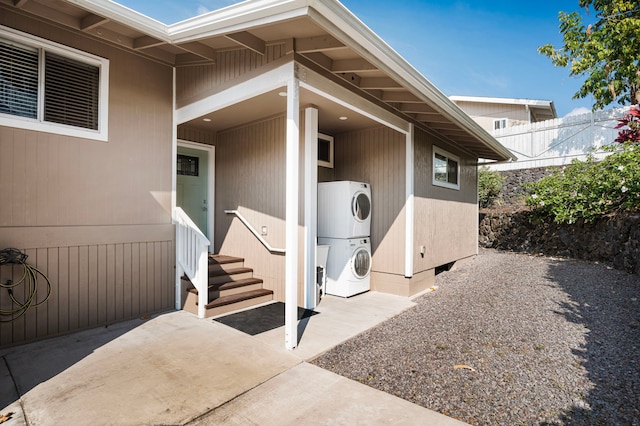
[613, 240]
[513, 191]
[510, 225]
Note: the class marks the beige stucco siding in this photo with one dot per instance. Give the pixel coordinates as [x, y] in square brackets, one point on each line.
[94, 216]
[446, 220]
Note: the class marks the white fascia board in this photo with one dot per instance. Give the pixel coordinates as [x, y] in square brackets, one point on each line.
[508, 101]
[248, 89]
[126, 16]
[236, 18]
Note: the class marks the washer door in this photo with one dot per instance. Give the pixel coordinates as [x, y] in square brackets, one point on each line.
[361, 262]
[360, 206]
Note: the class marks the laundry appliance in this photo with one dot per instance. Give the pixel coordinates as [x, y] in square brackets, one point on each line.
[348, 266]
[344, 209]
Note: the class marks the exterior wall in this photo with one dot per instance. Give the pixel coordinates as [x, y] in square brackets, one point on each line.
[94, 216]
[446, 220]
[557, 142]
[196, 82]
[377, 156]
[484, 114]
[250, 178]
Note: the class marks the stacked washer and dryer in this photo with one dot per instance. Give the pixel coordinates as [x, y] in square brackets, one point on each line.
[344, 224]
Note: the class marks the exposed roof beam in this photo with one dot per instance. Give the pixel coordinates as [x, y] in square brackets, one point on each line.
[145, 42]
[379, 83]
[447, 129]
[432, 118]
[51, 13]
[249, 41]
[320, 59]
[351, 78]
[317, 44]
[352, 65]
[199, 49]
[92, 21]
[416, 108]
[401, 96]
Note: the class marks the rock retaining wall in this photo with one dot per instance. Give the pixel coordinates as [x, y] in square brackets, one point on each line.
[513, 191]
[614, 240]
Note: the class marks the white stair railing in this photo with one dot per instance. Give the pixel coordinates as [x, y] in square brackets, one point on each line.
[192, 252]
[246, 223]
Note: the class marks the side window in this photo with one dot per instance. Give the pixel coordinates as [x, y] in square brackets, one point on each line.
[499, 123]
[52, 88]
[325, 150]
[446, 169]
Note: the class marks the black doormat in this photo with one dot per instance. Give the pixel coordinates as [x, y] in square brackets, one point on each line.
[258, 320]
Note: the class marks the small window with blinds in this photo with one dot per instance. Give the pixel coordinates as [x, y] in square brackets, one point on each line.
[48, 87]
[70, 92]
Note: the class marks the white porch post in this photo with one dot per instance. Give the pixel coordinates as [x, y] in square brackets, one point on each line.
[291, 213]
[409, 204]
[310, 203]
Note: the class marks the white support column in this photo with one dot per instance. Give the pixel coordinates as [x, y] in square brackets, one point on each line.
[291, 213]
[310, 203]
[409, 204]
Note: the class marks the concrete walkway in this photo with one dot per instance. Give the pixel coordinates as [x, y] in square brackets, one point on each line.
[174, 369]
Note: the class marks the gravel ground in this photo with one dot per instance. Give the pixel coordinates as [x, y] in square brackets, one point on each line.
[511, 339]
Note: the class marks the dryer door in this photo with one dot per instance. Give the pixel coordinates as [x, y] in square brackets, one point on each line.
[360, 206]
[361, 262]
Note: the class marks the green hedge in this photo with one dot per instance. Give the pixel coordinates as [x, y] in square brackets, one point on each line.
[585, 190]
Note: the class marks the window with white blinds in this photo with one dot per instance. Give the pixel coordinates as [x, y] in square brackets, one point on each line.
[18, 80]
[70, 92]
[48, 87]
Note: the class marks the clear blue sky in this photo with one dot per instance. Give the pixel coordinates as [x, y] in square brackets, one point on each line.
[465, 48]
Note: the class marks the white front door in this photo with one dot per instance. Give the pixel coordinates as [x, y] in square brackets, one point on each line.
[192, 185]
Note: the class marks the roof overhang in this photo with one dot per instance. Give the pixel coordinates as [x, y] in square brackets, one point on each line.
[322, 32]
[540, 109]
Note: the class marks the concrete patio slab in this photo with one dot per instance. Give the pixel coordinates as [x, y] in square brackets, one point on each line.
[338, 319]
[167, 370]
[309, 395]
[176, 369]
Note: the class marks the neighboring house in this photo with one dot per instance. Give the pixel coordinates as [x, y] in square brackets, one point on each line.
[501, 113]
[92, 170]
[531, 130]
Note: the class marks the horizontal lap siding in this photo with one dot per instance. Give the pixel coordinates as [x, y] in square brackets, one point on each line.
[91, 286]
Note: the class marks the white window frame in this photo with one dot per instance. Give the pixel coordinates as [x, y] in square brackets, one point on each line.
[500, 121]
[449, 156]
[38, 124]
[322, 163]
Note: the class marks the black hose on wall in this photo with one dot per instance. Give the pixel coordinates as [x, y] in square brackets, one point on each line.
[29, 279]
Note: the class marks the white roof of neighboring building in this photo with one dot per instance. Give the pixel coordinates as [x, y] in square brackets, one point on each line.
[542, 109]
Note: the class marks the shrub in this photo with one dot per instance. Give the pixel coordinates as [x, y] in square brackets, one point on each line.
[489, 186]
[585, 190]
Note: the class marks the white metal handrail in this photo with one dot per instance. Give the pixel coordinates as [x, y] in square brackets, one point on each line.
[254, 232]
[192, 252]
